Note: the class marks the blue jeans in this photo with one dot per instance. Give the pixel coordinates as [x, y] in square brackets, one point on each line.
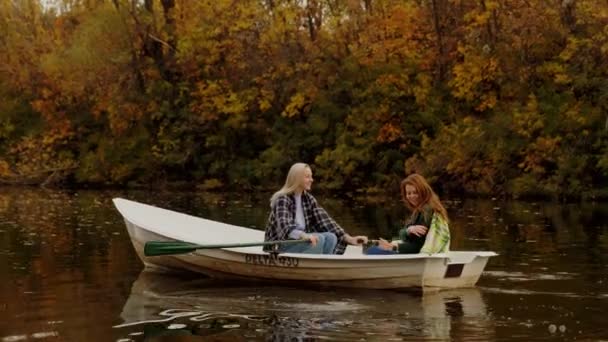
[326, 245]
[375, 250]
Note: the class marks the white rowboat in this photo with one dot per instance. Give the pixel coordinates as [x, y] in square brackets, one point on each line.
[145, 223]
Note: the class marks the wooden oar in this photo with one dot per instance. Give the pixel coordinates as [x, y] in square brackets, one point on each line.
[155, 248]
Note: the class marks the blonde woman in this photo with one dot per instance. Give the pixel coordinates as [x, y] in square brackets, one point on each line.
[295, 214]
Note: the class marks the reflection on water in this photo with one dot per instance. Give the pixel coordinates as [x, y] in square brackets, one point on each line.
[69, 273]
[280, 313]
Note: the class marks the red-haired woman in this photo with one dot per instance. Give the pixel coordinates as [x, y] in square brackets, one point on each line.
[426, 231]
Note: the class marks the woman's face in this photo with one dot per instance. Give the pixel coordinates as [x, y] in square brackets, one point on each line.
[411, 194]
[307, 179]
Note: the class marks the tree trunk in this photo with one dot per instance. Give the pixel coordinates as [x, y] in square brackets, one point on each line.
[568, 14]
[439, 34]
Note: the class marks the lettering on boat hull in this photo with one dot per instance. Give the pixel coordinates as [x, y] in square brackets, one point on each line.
[273, 260]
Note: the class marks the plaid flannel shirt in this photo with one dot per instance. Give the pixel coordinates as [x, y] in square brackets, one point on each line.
[281, 220]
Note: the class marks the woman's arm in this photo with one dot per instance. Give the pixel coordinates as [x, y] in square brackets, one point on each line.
[412, 231]
[322, 222]
[418, 225]
[417, 230]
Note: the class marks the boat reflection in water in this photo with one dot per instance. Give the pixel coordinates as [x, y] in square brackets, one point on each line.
[169, 305]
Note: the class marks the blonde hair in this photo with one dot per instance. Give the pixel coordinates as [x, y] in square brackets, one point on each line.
[292, 182]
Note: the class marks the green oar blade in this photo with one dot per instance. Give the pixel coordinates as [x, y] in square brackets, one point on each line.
[154, 248]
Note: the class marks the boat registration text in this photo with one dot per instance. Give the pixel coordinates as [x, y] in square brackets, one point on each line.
[271, 260]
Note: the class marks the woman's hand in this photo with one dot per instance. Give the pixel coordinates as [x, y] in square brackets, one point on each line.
[417, 230]
[355, 240]
[387, 246]
[310, 237]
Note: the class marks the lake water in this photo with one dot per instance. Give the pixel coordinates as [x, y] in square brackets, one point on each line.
[69, 273]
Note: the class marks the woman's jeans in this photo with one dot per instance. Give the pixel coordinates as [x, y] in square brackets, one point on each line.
[325, 245]
[375, 250]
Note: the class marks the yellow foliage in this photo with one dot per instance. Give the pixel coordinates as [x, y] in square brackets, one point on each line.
[556, 71]
[422, 88]
[296, 105]
[213, 98]
[542, 150]
[391, 37]
[4, 169]
[265, 100]
[529, 122]
[470, 77]
[486, 101]
[575, 119]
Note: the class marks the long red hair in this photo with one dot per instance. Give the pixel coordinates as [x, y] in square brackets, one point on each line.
[426, 195]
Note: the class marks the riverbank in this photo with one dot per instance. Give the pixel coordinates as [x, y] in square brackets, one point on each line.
[373, 194]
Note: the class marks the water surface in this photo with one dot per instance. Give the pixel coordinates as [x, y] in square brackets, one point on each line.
[69, 273]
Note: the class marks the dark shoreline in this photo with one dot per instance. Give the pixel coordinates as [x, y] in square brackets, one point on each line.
[373, 195]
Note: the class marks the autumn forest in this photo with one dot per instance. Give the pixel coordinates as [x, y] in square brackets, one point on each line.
[494, 97]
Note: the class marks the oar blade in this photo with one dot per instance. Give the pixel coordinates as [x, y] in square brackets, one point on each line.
[156, 248]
